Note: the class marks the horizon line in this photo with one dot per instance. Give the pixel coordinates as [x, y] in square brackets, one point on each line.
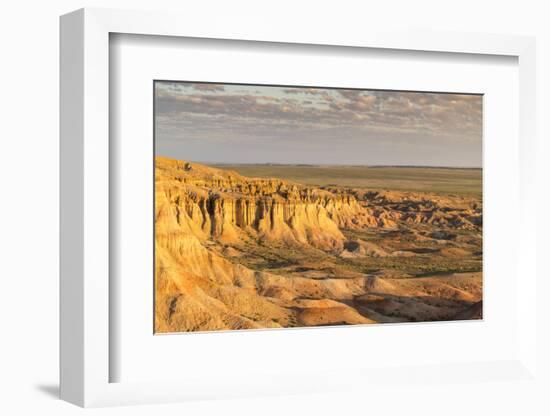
[341, 164]
[304, 164]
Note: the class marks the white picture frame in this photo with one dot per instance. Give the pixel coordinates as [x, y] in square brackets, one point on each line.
[85, 222]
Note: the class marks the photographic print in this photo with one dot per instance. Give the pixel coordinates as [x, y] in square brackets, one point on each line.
[286, 207]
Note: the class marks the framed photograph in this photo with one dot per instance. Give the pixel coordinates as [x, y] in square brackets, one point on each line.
[276, 213]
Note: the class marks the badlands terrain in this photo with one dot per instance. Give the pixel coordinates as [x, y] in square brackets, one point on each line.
[278, 246]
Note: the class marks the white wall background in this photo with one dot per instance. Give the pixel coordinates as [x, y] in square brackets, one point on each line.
[29, 205]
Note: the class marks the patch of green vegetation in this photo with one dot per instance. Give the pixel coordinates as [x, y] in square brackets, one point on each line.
[277, 258]
[284, 260]
[415, 265]
[366, 234]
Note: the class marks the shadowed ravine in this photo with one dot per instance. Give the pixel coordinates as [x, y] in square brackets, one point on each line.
[234, 252]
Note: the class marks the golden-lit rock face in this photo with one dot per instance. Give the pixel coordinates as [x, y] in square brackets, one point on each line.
[212, 226]
[218, 204]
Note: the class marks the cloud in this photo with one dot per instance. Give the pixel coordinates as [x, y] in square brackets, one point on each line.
[208, 87]
[199, 110]
[444, 113]
[179, 87]
[307, 91]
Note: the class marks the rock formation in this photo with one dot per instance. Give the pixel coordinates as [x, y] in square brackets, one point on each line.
[213, 203]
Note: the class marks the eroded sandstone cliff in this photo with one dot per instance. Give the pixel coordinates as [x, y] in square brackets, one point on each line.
[214, 203]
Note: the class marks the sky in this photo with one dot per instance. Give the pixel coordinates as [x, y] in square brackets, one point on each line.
[223, 123]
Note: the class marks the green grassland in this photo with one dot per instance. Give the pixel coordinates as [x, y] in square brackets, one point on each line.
[415, 179]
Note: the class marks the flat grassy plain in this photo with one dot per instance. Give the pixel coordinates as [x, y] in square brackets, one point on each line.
[414, 179]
